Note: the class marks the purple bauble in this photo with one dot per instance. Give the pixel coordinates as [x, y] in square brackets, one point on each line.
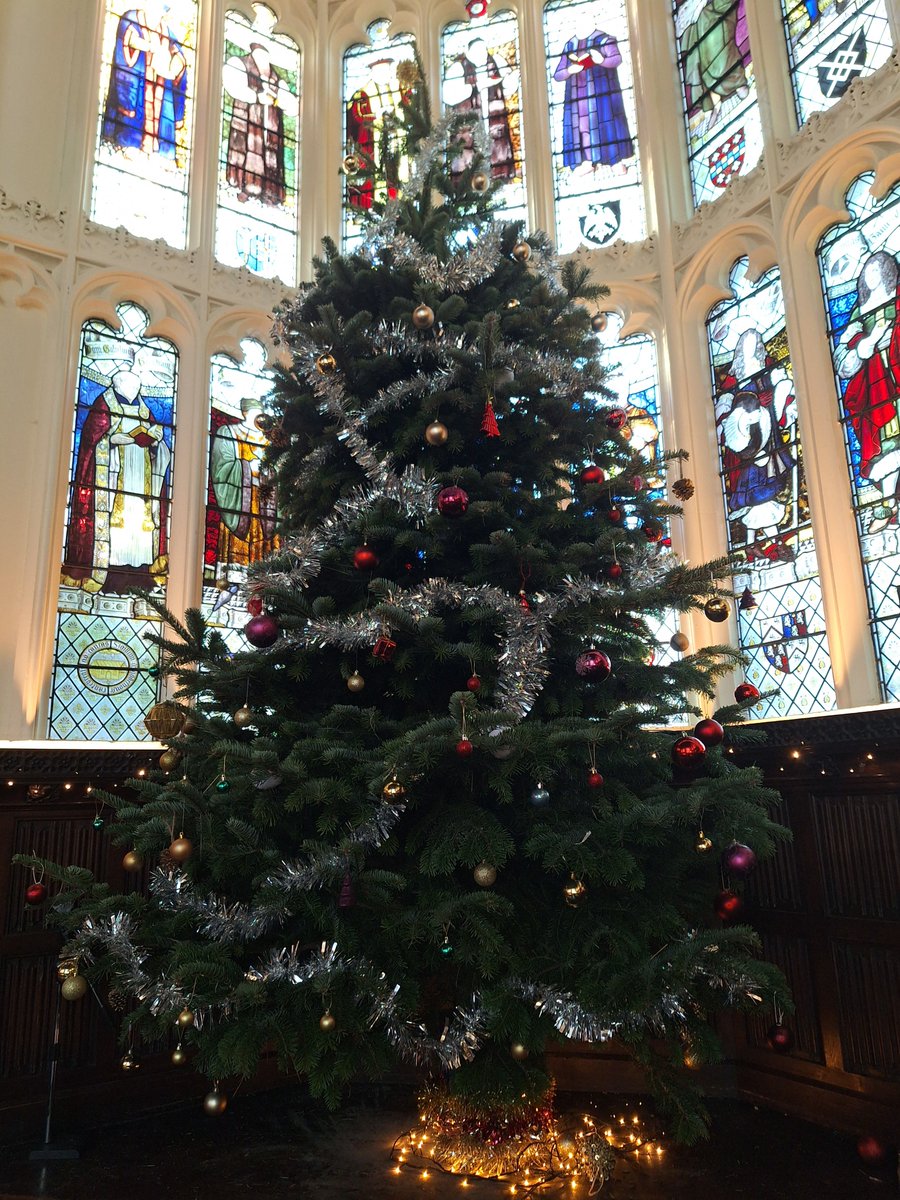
[593, 664]
[738, 859]
[262, 631]
[452, 501]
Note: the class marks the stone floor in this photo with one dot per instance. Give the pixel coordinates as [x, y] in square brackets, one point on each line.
[278, 1146]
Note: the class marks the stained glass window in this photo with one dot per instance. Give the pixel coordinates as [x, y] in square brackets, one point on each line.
[596, 168]
[256, 223]
[831, 43]
[378, 82]
[146, 116]
[860, 274]
[116, 548]
[480, 75]
[781, 621]
[720, 103]
[241, 500]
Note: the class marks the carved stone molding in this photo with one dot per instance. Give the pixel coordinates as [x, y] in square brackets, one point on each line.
[622, 260]
[118, 247]
[30, 217]
[238, 285]
[745, 195]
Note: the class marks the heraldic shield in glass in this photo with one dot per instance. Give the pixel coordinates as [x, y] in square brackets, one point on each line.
[241, 502]
[861, 276]
[720, 103]
[378, 83]
[116, 542]
[147, 78]
[593, 127]
[480, 75]
[831, 43]
[781, 620]
[256, 222]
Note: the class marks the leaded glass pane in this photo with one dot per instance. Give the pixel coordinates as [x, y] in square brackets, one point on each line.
[116, 551]
[781, 620]
[860, 276]
[241, 502]
[256, 222]
[146, 116]
[596, 168]
[378, 83]
[831, 43]
[480, 75]
[719, 86]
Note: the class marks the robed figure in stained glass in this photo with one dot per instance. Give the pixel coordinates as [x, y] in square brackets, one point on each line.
[245, 500]
[715, 46]
[868, 358]
[145, 102]
[375, 132]
[475, 82]
[595, 124]
[255, 154]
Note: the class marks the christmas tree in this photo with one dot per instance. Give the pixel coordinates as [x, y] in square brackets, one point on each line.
[435, 808]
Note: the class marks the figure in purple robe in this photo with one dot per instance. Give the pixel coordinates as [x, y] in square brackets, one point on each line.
[595, 125]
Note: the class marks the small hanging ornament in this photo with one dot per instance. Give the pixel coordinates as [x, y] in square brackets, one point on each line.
[223, 784]
[594, 665]
[327, 1022]
[365, 558]
[243, 716]
[185, 1019]
[98, 822]
[350, 164]
[594, 779]
[514, 303]
[164, 721]
[255, 605]
[521, 251]
[637, 482]
[745, 692]
[485, 875]
[688, 751]
[446, 946]
[717, 609]
[703, 844]
[747, 600]
[779, 1038]
[215, 1102]
[593, 474]
[179, 1056]
[679, 641]
[574, 892]
[326, 364]
[355, 682]
[169, 759]
[436, 434]
[873, 1151]
[709, 732]
[738, 859]
[181, 848]
[385, 648]
[464, 748]
[347, 897]
[154, 672]
[728, 905]
[653, 531]
[615, 419]
[393, 790]
[540, 797]
[524, 602]
[518, 1051]
[489, 426]
[480, 182]
[423, 316]
[599, 322]
[452, 501]
[473, 683]
[129, 1061]
[614, 571]
[74, 988]
[262, 631]
[615, 515]
[683, 489]
[132, 861]
[35, 893]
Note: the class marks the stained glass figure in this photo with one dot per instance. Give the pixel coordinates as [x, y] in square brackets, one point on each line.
[378, 82]
[769, 530]
[256, 223]
[146, 114]
[117, 529]
[831, 43]
[861, 273]
[596, 168]
[720, 101]
[241, 502]
[480, 75]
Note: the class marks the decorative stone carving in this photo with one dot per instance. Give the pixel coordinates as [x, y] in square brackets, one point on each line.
[120, 248]
[744, 195]
[621, 259]
[31, 216]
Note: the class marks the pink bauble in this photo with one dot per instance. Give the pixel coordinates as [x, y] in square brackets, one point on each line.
[452, 501]
[593, 664]
[262, 631]
[738, 859]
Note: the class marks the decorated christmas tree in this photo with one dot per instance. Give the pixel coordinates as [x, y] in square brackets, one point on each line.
[438, 806]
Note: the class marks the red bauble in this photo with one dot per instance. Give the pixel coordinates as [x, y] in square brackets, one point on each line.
[35, 893]
[872, 1150]
[595, 779]
[780, 1038]
[637, 482]
[614, 571]
[255, 606]
[452, 501]
[709, 732]
[262, 631]
[347, 897]
[616, 418]
[592, 474]
[365, 559]
[464, 748]
[473, 683]
[728, 905]
[615, 515]
[653, 531]
[593, 664]
[688, 751]
[744, 692]
[738, 859]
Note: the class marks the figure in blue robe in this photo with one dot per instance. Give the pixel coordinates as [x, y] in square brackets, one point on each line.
[595, 125]
[145, 103]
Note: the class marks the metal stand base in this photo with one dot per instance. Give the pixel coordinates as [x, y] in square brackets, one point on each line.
[55, 1152]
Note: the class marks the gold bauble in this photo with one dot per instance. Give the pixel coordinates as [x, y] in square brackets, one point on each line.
[243, 716]
[717, 609]
[480, 182]
[518, 1051]
[179, 1057]
[575, 892]
[66, 968]
[326, 364]
[215, 1103]
[599, 321]
[327, 1022]
[423, 316]
[679, 642]
[393, 790]
[436, 434]
[703, 844]
[164, 720]
[185, 1018]
[408, 73]
[74, 987]
[521, 252]
[222, 585]
[485, 875]
[133, 861]
[355, 682]
[169, 760]
[514, 303]
[181, 848]
[350, 164]
[683, 489]
[129, 1062]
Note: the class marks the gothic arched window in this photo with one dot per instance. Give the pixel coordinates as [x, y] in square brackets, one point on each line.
[116, 549]
[831, 43]
[861, 280]
[145, 124]
[596, 167]
[781, 620]
[256, 221]
[719, 90]
[480, 74]
[241, 500]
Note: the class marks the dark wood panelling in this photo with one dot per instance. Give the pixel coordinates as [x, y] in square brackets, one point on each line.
[858, 838]
[775, 884]
[868, 983]
[791, 954]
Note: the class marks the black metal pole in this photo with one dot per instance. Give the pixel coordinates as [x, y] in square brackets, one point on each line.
[48, 1150]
